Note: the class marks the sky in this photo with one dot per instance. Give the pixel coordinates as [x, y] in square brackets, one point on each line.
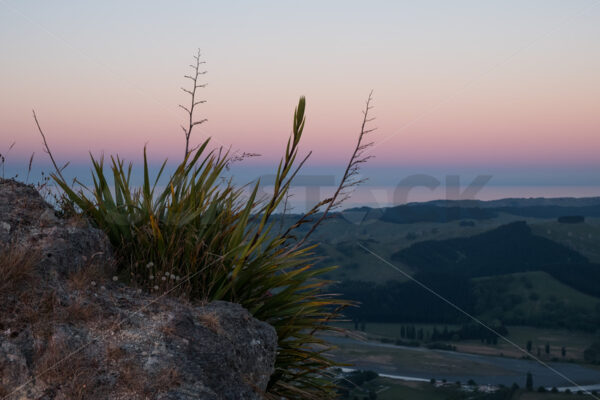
[505, 88]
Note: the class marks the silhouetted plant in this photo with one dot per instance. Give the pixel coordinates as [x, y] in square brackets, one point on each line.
[196, 73]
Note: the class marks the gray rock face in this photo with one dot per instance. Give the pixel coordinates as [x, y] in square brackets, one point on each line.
[65, 245]
[67, 331]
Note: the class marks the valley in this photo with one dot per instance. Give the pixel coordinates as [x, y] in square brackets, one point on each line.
[515, 265]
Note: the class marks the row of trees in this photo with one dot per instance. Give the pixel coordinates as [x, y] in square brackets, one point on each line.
[547, 349]
[464, 332]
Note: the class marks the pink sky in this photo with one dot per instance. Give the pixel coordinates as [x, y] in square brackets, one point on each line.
[471, 84]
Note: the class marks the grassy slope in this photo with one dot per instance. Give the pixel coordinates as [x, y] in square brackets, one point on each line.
[418, 361]
[584, 238]
[574, 342]
[540, 293]
[339, 239]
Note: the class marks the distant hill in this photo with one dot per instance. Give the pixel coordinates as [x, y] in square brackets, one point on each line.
[507, 249]
[475, 273]
[520, 202]
[451, 210]
[534, 298]
[430, 213]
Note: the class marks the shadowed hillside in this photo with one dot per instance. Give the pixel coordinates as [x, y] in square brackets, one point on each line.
[454, 268]
[507, 249]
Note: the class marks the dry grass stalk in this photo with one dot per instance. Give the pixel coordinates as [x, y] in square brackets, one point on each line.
[193, 102]
[16, 267]
[350, 180]
[211, 321]
[75, 376]
[92, 274]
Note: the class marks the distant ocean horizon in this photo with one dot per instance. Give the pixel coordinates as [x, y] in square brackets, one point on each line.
[390, 196]
[316, 185]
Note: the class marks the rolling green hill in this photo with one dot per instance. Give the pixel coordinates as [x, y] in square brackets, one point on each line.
[506, 274]
[507, 249]
[455, 247]
[534, 298]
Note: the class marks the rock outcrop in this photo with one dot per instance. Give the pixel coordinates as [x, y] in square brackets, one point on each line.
[67, 331]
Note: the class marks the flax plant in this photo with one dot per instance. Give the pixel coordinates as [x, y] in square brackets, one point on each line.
[167, 237]
[205, 239]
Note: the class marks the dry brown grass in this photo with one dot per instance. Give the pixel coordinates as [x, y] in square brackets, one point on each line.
[86, 276]
[211, 321]
[19, 293]
[165, 379]
[131, 377]
[114, 354]
[80, 310]
[168, 330]
[17, 266]
[95, 272]
[134, 379]
[73, 376]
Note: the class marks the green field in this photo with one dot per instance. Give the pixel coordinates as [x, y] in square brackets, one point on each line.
[338, 244]
[539, 291]
[534, 298]
[584, 238]
[378, 330]
[423, 363]
[574, 342]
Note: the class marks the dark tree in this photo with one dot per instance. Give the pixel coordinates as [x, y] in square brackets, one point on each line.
[529, 382]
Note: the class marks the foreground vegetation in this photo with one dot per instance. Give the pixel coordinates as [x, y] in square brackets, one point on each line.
[205, 239]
